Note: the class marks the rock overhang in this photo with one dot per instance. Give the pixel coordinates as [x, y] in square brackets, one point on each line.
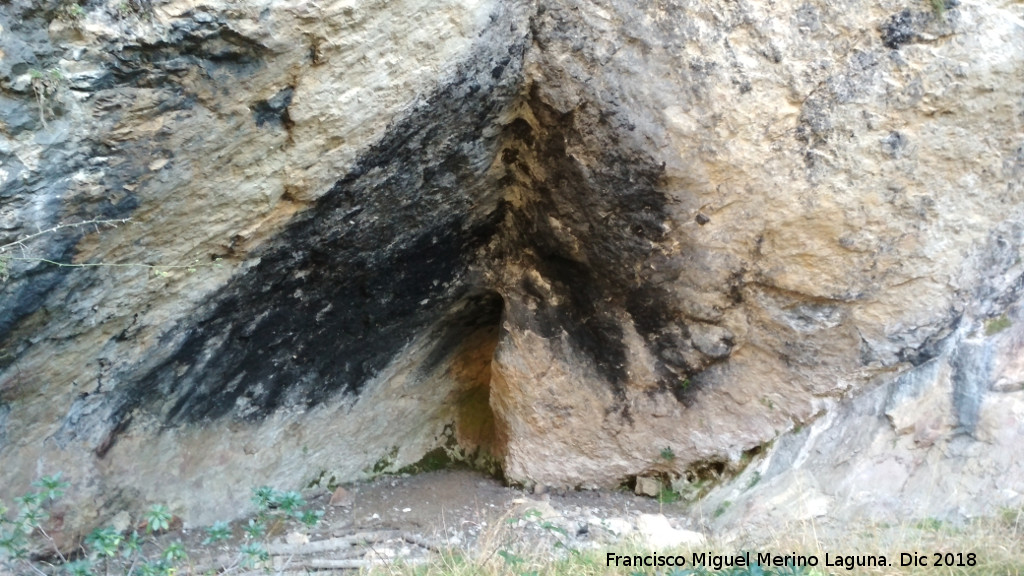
[553, 211]
[582, 226]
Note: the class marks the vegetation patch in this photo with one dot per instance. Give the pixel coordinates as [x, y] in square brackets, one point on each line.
[27, 546]
[384, 463]
[453, 456]
[997, 325]
[528, 540]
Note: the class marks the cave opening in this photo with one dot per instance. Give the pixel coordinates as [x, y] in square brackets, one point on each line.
[465, 346]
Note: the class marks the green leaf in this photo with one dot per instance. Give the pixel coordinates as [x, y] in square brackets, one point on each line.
[667, 495]
[551, 527]
[289, 502]
[263, 496]
[53, 487]
[311, 517]
[132, 544]
[12, 544]
[79, 568]
[104, 541]
[510, 558]
[156, 568]
[253, 554]
[255, 529]
[31, 517]
[216, 533]
[30, 499]
[158, 518]
[175, 552]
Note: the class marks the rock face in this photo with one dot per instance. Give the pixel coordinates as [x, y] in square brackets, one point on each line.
[588, 240]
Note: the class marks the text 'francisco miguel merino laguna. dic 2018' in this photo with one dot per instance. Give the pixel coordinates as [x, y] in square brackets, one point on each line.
[762, 559]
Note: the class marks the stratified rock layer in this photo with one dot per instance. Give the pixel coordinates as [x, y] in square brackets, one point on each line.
[592, 241]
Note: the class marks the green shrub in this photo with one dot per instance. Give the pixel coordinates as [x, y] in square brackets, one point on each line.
[109, 551]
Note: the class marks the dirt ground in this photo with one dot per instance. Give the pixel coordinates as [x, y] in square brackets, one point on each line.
[403, 519]
[457, 504]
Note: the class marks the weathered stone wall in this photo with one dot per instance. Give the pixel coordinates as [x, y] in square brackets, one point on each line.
[570, 234]
[362, 132]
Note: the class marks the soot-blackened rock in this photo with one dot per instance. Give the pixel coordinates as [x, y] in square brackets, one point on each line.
[586, 232]
[275, 109]
[379, 259]
[899, 29]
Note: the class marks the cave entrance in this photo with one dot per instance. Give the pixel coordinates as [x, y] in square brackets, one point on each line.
[474, 430]
[466, 347]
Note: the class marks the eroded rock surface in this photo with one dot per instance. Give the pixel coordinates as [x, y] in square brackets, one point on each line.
[589, 241]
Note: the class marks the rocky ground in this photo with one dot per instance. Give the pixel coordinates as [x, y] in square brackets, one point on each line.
[405, 519]
[458, 521]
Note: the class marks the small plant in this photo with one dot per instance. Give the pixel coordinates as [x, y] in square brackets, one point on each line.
[274, 508]
[384, 463]
[262, 497]
[254, 530]
[667, 454]
[125, 9]
[1011, 517]
[997, 325]
[104, 542]
[108, 551]
[668, 496]
[174, 553]
[45, 84]
[72, 12]
[52, 487]
[515, 552]
[16, 533]
[79, 568]
[128, 8]
[510, 558]
[158, 519]
[722, 508]
[219, 532]
[311, 518]
[254, 555]
[289, 502]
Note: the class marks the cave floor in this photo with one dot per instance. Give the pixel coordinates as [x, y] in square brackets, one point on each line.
[407, 519]
[463, 522]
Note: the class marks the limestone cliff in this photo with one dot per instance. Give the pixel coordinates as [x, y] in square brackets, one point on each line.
[591, 240]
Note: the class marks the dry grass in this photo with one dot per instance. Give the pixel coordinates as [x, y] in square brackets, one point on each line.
[997, 545]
